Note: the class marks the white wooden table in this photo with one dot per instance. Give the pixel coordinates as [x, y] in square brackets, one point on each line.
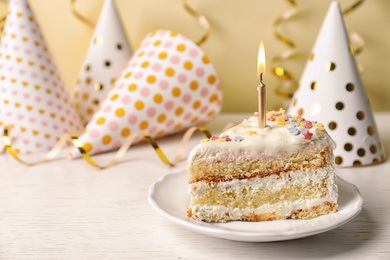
[68, 210]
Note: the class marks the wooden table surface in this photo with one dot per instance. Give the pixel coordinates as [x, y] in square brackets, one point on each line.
[69, 210]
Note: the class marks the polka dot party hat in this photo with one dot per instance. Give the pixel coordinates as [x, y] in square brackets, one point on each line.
[106, 57]
[167, 86]
[332, 92]
[33, 100]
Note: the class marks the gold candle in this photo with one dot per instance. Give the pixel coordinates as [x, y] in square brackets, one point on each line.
[261, 88]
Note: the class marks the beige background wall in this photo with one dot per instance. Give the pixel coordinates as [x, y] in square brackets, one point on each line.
[237, 28]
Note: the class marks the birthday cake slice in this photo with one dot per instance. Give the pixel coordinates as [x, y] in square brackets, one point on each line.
[282, 171]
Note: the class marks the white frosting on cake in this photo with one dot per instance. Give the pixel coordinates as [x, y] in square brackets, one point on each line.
[282, 133]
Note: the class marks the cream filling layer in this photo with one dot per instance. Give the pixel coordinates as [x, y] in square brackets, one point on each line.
[269, 140]
[271, 183]
[284, 207]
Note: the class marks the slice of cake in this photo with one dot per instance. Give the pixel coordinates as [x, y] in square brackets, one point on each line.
[282, 171]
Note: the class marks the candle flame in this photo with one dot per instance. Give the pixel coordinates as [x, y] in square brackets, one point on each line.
[261, 60]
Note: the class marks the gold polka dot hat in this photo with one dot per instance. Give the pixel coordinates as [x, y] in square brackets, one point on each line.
[168, 85]
[33, 100]
[332, 92]
[106, 57]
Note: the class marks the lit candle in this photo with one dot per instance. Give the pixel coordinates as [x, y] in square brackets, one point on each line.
[261, 87]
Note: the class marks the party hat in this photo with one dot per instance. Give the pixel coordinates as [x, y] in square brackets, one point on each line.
[107, 56]
[332, 92]
[168, 85]
[33, 100]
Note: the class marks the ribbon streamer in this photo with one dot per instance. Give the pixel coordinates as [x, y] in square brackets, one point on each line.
[352, 7]
[48, 157]
[118, 155]
[357, 42]
[288, 86]
[77, 14]
[2, 21]
[202, 20]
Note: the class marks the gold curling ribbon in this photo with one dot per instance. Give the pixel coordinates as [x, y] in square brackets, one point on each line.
[2, 20]
[352, 7]
[48, 157]
[118, 155]
[129, 141]
[77, 14]
[357, 42]
[202, 20]
[288, 86]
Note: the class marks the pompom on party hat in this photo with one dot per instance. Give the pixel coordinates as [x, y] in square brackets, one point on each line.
[332, 92]
[106, 57]
[34, 104]
[168, 85]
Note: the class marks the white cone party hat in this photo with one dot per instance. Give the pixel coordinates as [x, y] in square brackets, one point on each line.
[331, 91]
[33, 100]
[107, 56]
[167, 86]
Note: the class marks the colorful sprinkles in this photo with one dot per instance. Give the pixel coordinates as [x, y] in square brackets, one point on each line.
[295, 125]
[238, 138]
[294, 131]
[223, 139]
[320, 127]
[307, 135]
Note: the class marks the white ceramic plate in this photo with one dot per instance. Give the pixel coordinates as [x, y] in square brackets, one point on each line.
[170, 198]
